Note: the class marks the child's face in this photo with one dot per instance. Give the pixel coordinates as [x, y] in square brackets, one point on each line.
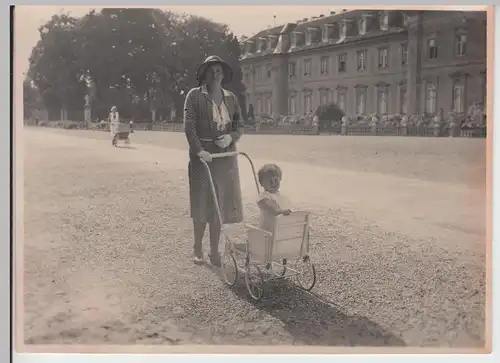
[271, 183]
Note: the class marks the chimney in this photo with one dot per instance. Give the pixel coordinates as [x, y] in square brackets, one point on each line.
[321, 16]
[332, 13]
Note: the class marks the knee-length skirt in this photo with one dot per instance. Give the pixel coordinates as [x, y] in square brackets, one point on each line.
[226, 178]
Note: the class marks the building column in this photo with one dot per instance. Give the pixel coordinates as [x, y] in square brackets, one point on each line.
[414, 64]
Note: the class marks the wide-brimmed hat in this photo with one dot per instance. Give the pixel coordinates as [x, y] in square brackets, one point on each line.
[213, 59]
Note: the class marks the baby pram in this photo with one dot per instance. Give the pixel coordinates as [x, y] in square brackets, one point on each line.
[122, 133]
[267, 255]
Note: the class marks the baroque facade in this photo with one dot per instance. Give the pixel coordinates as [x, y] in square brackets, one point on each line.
[385, 62]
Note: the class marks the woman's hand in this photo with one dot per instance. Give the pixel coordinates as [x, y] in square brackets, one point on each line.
[205, 156]
[224, 141]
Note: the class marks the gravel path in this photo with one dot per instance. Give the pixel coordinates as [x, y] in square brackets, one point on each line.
[399, 247]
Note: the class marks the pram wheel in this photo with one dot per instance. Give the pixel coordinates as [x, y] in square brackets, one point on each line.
[254, 281]
[306, 273]
[127, 141]
[229, 268]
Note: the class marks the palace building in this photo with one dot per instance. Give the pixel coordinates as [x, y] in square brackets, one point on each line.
[408, 62]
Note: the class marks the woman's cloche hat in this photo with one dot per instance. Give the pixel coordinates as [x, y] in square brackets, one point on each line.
[213, 59]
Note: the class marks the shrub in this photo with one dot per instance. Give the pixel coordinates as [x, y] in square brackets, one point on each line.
[330, 112]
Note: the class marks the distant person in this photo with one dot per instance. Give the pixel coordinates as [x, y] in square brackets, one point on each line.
[114, 124]
[212, 121]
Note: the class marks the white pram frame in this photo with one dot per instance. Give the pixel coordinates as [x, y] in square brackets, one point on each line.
[267, 254]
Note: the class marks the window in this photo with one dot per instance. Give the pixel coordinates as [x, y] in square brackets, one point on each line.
[362, 26]
[403, 99]
[259, 105]
[309, 36]
[325, 33]
[404, 53]
[361, 60]
[307, 103]
[324, 65]
[343, 29]
[292, 70]
[324, 96]
[382, 98]
[294, 39]
[430, 98]
[292, 105]
[271, 42]
[269, 105]
[383, 57]
[307, 67]
[257, 73]
[361, 100]
[458, 97]
[460, 44]
[432, 49]
[262, 45]
[269, 71]
[341, 98]
[342, 62]
[384, 21]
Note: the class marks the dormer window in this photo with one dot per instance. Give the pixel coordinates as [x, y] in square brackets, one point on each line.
[343, 29]
[384, 21]
[262, 45]
[325, 33]
[294, 39]
[271, 42]
[250, 46]
[309, 35]
[362, 26]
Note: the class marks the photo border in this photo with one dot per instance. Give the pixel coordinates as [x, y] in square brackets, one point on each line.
[19, 228]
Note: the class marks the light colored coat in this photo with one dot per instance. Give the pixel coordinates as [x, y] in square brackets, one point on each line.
[114, 123]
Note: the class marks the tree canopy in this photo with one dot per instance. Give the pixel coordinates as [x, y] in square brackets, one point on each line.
[136, 59]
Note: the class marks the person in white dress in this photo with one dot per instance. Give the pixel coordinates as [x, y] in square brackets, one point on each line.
[114, 123]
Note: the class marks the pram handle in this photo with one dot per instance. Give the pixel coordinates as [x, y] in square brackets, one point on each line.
[226, 154]
[212, 186]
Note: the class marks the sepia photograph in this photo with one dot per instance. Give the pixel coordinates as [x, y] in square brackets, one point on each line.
[218, 178]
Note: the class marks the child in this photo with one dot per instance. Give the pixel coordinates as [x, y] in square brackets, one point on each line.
[271, 202]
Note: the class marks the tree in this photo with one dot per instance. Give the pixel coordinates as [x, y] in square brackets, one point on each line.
[54, 64]
[136, 59]
[328, 115]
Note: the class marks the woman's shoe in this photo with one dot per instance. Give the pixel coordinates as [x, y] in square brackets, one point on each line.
[198, 260]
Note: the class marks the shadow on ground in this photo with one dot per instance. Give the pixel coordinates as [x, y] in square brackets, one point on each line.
[313, 321]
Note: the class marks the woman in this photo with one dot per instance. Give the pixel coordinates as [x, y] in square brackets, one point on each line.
[212, 125]
[114, 124]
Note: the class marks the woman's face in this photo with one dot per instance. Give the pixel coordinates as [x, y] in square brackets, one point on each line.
[214, 74]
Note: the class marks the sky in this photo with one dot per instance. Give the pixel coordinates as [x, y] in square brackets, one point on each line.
[242, 20]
